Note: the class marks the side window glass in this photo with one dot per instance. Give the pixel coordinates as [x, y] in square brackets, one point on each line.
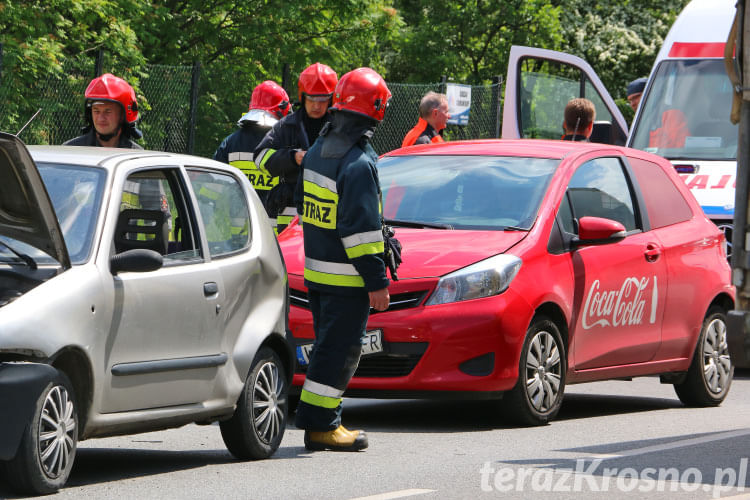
[599, 188]
[224, 210]
[664, 202]
[153, 215]
[565, 216]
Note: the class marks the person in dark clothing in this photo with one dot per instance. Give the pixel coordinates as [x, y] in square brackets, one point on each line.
[282, 149]
[433, 118]
[111, 112]
[578, 124]
[634, 92]
[338, 199]
[269, 103]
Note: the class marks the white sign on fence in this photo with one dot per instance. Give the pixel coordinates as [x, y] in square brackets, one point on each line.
[459, 103]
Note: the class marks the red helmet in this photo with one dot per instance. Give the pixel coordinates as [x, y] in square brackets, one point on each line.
[108, 87]
[317, 80]
[270, 96]
[362, 91]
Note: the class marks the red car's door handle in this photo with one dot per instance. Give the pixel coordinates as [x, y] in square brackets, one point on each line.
[652, 252]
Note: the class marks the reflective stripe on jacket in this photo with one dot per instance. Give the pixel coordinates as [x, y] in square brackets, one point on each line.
[340, 212]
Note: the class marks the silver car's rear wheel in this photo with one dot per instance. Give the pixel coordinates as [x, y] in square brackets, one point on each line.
[538, 394]
[259, 421]
[710, 374]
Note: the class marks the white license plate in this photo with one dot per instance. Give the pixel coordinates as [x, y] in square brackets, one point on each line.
[372, 342]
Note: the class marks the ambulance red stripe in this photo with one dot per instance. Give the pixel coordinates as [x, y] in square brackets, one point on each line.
[697, 49]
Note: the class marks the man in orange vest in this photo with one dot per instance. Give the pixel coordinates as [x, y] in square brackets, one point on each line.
[433, 117]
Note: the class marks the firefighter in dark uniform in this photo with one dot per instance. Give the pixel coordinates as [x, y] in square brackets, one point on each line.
[111, 113]
[268, 104]
[282, 149]
[338, 198]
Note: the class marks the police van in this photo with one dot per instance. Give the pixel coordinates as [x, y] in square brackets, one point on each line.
[683, 114]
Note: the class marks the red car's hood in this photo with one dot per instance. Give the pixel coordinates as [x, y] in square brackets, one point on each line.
[426, 252]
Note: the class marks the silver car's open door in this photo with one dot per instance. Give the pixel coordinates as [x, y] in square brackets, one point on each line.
[540, 83]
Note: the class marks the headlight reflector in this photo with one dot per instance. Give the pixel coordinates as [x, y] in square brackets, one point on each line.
[483, 279]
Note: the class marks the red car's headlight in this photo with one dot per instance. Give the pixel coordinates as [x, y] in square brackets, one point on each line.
[483, 279]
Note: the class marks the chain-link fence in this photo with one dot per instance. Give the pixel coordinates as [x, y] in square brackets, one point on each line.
[164, 99]
[168, 101]
[403, 112]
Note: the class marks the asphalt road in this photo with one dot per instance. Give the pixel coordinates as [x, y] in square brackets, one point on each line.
[618, 439]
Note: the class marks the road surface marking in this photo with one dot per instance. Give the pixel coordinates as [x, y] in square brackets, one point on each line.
[669, 446]
[395, 494]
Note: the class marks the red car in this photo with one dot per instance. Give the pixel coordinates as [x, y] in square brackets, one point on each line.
[529, 265]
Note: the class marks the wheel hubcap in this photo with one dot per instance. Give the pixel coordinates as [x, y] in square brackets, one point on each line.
[57, 427]
[543, 371]
[268, 416]
[716, 363]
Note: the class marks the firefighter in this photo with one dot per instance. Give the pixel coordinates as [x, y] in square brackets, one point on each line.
[433, 117]
[338, 198]
[111, 112]
[268, 104]
[282, 149]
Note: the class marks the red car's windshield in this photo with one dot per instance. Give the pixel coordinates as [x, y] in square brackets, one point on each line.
[464, 192]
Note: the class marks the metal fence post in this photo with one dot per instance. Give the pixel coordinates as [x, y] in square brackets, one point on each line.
[497, 96]
[193, 106]
[285, 76]
[98, 63]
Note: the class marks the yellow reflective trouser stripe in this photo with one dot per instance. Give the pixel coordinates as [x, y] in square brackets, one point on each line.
[365, 249]
[334, 279]
[316, 400]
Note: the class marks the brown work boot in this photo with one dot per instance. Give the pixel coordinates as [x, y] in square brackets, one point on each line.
[339, 439]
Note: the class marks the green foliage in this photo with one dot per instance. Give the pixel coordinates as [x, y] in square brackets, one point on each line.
[240, 43]
[469, 41]
[620, 39]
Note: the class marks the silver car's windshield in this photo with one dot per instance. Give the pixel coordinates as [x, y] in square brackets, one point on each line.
[464, 192]
[16, 252]
[685, 114]
[76, 194]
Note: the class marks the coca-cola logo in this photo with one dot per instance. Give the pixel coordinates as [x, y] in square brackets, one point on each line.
[621, 307]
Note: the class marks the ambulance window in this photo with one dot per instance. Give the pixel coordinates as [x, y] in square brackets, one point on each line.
[153, 215]
[223, 209]
[599, 188]
[664, 202]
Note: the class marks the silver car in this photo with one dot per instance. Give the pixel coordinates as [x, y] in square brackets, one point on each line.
[139, 291]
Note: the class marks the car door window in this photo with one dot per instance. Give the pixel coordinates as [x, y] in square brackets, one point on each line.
[154, 215]
[224, 210]
[540, 83]
[546, 87]
[665, 204]
[599, 188]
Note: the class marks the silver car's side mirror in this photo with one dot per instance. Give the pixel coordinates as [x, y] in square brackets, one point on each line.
[138, 260]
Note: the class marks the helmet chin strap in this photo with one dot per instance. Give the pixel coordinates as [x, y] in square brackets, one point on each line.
[106, 137]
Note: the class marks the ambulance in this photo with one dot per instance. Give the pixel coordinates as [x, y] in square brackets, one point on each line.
[683, 114]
